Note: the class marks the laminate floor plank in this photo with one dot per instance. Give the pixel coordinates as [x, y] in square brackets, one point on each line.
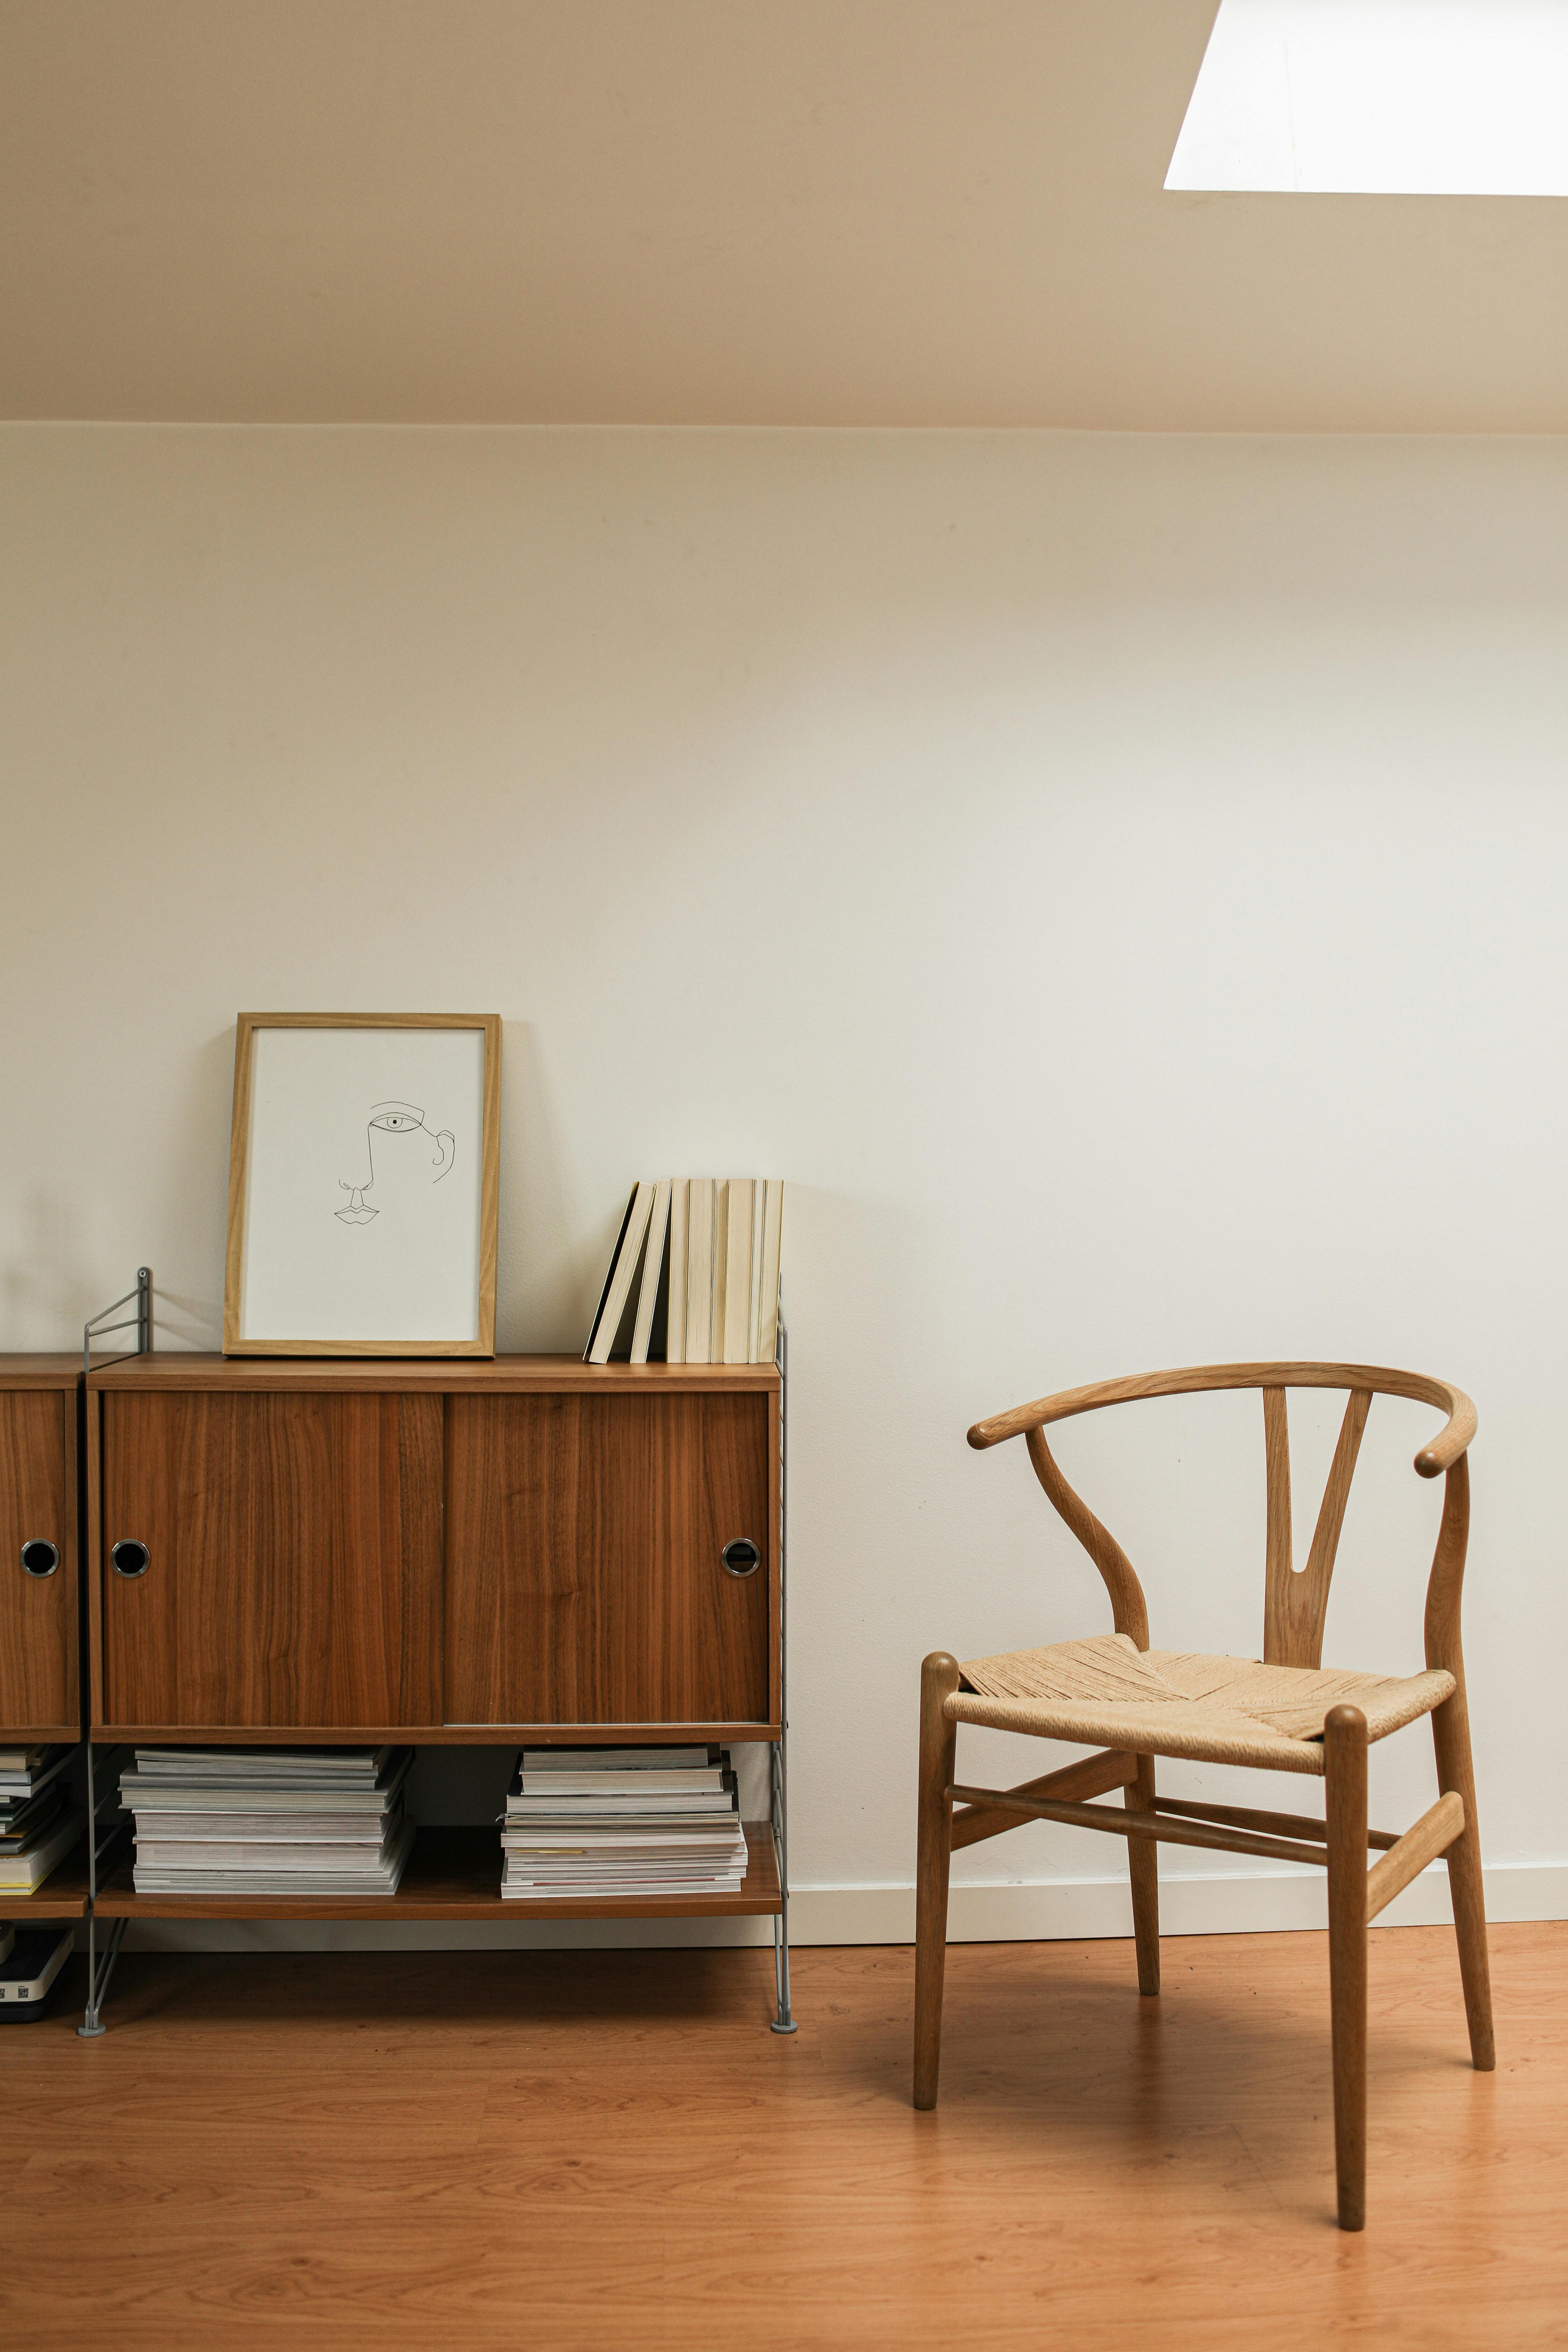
[573, 2151]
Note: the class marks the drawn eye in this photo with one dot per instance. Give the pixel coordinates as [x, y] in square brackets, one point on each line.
[393, 1117]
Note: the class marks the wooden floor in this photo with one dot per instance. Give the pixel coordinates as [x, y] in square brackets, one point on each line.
[599, 2151]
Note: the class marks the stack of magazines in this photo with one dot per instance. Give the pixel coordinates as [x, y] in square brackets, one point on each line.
[603, 1822]
[268, 1821]
[39, 1822]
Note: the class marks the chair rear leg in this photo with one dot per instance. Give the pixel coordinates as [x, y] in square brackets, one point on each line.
[1144, 1865]
[938, 1741]
[1344, 1759]
[1451, 1738]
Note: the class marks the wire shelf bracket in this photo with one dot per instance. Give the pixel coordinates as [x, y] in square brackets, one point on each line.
[98, 1326]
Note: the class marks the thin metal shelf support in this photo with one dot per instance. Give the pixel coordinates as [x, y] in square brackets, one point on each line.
[98, 1326]
[98, 1972]
[778, 1763]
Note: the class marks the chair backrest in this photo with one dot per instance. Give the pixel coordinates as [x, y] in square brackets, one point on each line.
[1295, 1603]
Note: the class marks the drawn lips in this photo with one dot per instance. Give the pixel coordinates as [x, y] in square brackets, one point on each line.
[360, 1217]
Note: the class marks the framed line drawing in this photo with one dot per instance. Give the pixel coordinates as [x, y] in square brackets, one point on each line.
[362, 1172]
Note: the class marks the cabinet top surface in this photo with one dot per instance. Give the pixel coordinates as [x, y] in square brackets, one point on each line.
[40, 1371]
[176, 1368]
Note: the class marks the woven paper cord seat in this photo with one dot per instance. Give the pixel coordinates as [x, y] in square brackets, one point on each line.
[1284, 1712]
[1108, 1693]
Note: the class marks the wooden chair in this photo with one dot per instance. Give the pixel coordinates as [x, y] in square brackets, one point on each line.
[1285, 1713]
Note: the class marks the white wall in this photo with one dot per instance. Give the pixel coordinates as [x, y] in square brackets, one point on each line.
[1118, 881]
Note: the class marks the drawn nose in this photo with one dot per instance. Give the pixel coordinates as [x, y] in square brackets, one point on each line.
[356, 1214]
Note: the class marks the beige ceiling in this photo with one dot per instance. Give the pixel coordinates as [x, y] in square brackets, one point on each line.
[862, 212]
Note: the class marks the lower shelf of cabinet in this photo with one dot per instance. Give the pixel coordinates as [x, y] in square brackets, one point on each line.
[453, 1873]
[667, 1734]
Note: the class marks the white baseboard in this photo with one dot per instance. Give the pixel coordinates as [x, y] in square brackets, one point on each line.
[1007, 1911]
[1218, 1903]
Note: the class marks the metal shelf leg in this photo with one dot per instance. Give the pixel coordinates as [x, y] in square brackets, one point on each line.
[92, 2024]
[778, 1752]
[783, 2022]
[98, 1975]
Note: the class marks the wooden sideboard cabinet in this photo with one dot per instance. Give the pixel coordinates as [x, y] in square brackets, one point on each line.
[525, 1550]
[531, 1547]
[39, 1624]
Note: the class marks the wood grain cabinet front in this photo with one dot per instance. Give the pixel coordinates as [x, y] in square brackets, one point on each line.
[270, 1560]
[38, 1679]
[586, 1581]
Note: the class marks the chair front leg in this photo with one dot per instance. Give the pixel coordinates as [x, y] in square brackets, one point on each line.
[1144, 1866]
[1344, 1762]
[938, 1741]
[1451, 1739]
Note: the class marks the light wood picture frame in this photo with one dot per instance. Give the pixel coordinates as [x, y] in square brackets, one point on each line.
[362, 1184]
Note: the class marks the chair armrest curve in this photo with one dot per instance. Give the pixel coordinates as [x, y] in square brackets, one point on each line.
[1444, 1451]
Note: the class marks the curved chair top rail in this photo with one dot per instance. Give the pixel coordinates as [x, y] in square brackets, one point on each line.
[1373, 1379]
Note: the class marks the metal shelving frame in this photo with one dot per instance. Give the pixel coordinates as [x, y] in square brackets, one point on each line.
[98, 1972]
[778, 1750]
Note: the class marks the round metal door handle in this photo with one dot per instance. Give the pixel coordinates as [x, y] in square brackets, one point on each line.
[130, 1558]
[39, 1556]
[742, 1557]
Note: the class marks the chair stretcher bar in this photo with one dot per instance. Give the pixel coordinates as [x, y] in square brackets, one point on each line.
[988, 1811]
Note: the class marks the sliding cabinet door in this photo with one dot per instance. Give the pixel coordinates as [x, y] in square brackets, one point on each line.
[584, 1576]
[271, 1561]
[38, 1682]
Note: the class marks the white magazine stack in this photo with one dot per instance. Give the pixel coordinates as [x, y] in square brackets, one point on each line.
[268, 1821]
[608, 1822]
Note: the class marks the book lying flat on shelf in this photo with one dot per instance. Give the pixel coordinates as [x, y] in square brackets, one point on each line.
[347, 1827]
[220, 1790]
[31, 1770]
[657, 1805]
[694, 1277]
[647, 1779]
[23, 1869]
[605, 1822]
[21, 1819]
[619, 1759]
[343, 1766]
[307, 1821]
[382, 1879]
[258, 1854]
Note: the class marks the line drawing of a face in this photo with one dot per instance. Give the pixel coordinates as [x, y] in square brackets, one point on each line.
[393, 1119]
